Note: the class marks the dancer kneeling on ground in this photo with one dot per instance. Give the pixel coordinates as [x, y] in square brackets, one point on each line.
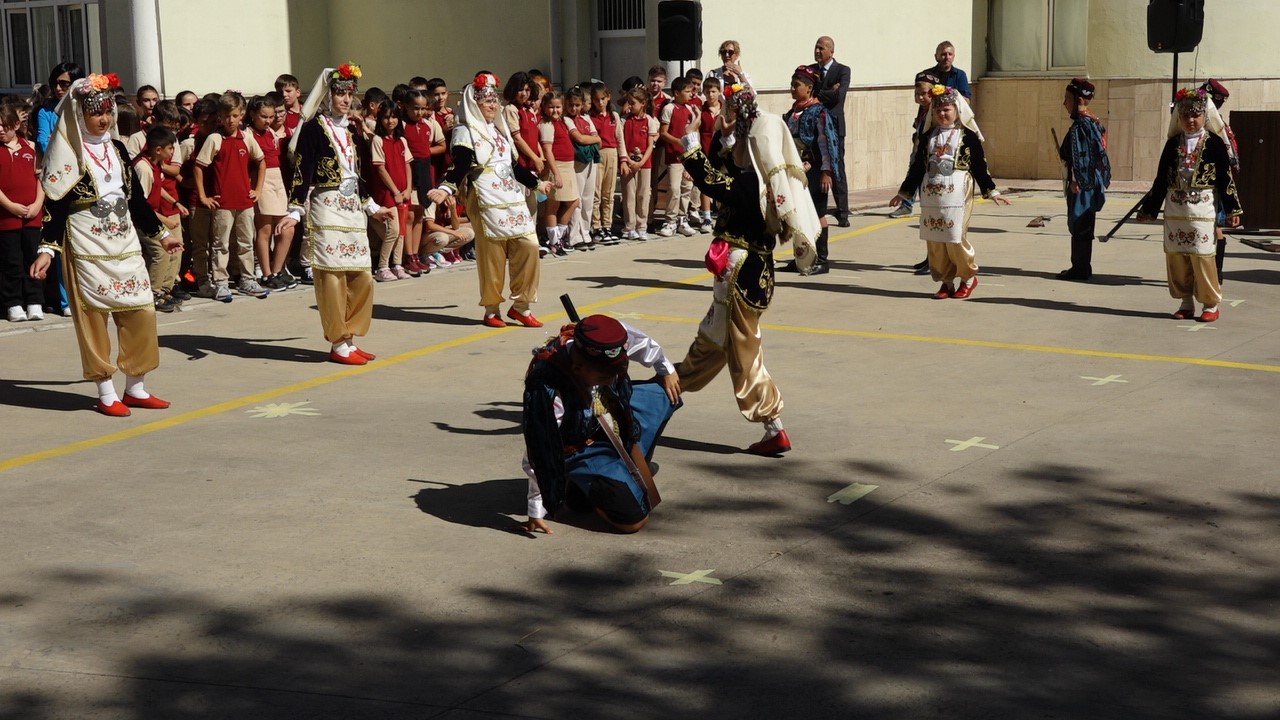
[756, 174]
[485, 156]
[1193, 178]
[94, 202]
[328, 188]
[947, 161]
[589, 432]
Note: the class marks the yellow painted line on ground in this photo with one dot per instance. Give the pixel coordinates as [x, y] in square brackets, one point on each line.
[1205, 362]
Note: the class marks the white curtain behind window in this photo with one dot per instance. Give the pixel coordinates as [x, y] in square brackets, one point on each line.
[1018, 35]
[1070, 33]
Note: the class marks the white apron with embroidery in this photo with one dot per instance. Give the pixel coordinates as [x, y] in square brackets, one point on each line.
[1189, 216]
[107, 258]
[715, 324]
[944, 191]
[500, 198]
[336, 220]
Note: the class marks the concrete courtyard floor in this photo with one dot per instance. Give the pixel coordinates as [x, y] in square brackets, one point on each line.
[1048, 501]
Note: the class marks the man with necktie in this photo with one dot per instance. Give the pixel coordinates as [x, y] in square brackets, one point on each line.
[831, 93]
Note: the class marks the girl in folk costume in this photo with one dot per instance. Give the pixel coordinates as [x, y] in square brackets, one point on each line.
[1084, 152]
[484, 156]
[816, 139]
[93, 202]
[947, 162]
[1194, 177]
[327, 189]
[759, 182]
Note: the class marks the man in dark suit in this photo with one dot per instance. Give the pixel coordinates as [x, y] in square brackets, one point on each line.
[835, 85]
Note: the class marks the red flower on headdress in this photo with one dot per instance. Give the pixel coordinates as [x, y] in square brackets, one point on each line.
[114, 79]
[485, 80]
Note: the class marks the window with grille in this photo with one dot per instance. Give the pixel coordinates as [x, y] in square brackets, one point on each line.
[619, 15]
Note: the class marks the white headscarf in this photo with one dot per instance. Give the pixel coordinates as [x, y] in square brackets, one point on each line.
[784, 201]
[477, 133]
[65, 162]
[1212, 121]
[317, 102]
[963, 111]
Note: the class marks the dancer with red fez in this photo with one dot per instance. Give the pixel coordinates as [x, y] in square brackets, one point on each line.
[1192, 181]
[948, 159]
[93, 204]
[589, 431]
[329, 190]
[485, 155]
[755, 172]
[1084, 153]
[1218, 95]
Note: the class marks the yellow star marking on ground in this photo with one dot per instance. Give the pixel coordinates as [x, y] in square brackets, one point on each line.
[693, 577]
[276, 410]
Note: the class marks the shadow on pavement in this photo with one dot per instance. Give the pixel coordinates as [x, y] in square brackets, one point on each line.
[197, 347]
[1043, 304]
[394, 313]
[36, 395]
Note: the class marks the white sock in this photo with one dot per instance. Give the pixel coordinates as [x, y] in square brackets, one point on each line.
[967, 282]
[133, 387]
[342, 348]
[1209, 308]
[107, 392]
[772, 427]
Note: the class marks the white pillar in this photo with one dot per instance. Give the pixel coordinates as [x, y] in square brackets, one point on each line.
[146, 45]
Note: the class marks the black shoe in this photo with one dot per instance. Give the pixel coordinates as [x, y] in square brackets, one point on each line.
[308, 277]
[789, 267]
[286, 279]
[165, 304]
[842, 222]
[922, 267]
[1074, 275]
[179, 295]
[819, 269]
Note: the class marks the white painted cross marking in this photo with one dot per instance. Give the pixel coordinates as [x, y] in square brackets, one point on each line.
[1104, 380]
[1234, 303]
[1198, 328]
[971, 442]
[851, 494]
[693, 577]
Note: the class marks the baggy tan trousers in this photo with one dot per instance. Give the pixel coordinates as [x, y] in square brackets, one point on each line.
[345, 301]
[139, 348]
[1193, 275]
[759, 399]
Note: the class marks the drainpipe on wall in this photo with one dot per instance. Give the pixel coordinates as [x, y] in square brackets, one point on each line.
[146, 44]
[557, 44]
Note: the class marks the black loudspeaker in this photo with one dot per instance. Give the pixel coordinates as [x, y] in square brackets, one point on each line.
[679, 30]
[1174, 26]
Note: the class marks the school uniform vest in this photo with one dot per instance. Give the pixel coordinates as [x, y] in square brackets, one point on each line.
[562, 146]
[681, 116]
[231, 174]
[635, 133]
[528, 131]
[606, 126]
[270, 147]
[393, 154]
[18, 182]
[154, 198]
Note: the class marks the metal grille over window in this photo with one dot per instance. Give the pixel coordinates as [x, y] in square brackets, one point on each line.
[619, 15]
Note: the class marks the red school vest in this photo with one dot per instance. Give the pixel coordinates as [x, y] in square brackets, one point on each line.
[393, 151]
[417, 135]
[529, 133]
[18, 182]
[270, 146]
[606, 125]
[707, 129]
[562, 146]
[635, 133]
[681, 115]
[231, 174]
[154, 198]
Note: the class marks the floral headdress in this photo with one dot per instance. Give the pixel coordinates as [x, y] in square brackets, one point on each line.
[344, 78]
[943, 95]
[95, 94]
[741, 99]
[1190, 101]
[485, 86]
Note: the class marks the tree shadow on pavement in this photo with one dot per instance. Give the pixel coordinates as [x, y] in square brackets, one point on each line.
[1083, 595]
[198, 347]
[508, 413]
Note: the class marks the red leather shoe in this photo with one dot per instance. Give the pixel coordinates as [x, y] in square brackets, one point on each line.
[525, 320]
[494, 321]
[775, 445]
[944, 292]
[151, 402]
[1186, 314]
[365, 355]
[1209, 315]
[352, 359]
[963, 291]
[115, 409]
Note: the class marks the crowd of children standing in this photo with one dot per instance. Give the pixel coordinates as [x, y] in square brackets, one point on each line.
[216, 171]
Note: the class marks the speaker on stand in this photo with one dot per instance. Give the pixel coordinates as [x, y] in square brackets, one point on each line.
[1174, 26]
[679, 31]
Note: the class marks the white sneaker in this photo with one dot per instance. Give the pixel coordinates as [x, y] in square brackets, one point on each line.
[35, 312]
[685, 230]
[667, 230]
[17, 314]
[250, 287]
[222, 293]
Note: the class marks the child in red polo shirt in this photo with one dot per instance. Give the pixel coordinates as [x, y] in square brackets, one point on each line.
[438, 93]
[422, 135]
[291, 93]
[391, 162]
[609, 128]
[273, 202]
[21, 209]
[557, 147]
[162, 266]
[639, 134]
[677, 118]
[224, 186]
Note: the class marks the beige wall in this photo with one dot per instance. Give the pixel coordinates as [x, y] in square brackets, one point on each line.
[1238, 37]
[1016, 116]
[209, 47]
[883, 43]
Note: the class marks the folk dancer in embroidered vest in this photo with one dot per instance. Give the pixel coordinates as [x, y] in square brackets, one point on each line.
[1192, 181]
[1218, 94]
[755, 172]
[486, 172]
[1084, 153]
[329, 190]
[94, 203]
[948, 160]
[818, 141]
